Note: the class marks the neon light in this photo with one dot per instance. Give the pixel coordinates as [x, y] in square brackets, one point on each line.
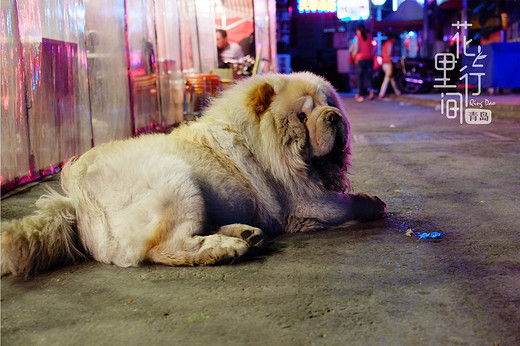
[316, 6]
[414, 80]
[348, 10]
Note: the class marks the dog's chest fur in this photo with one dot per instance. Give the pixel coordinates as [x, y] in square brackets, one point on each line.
[235, 187]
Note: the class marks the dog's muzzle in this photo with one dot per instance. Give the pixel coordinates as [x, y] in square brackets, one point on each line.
[331, 116]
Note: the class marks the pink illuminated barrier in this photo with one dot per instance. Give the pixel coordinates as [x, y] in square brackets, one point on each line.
[46, 112]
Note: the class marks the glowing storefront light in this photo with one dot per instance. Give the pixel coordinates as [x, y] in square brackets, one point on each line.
[316, 6]
[353, 9]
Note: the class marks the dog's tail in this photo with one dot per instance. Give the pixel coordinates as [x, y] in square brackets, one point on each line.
[38, 242]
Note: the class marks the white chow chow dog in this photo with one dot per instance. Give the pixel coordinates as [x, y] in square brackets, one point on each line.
[268, 156]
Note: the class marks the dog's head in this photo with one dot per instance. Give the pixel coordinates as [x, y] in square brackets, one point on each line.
[302, 114]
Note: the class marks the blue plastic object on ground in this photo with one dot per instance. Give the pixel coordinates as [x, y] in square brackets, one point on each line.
[432, 235]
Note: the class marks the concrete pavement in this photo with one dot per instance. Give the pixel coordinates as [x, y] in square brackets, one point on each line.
[359, 284]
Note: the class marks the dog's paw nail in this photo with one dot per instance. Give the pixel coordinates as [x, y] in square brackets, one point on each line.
[256, 240]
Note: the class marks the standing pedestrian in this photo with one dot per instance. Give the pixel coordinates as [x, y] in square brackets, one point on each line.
[364, 60]
[388, 66]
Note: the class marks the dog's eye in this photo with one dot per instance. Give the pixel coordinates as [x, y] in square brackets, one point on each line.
[302, 117]
[330, 102]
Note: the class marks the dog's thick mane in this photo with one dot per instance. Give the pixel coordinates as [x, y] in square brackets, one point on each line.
[285, 161]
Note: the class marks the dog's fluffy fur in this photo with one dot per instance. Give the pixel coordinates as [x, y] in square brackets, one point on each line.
[269, 156]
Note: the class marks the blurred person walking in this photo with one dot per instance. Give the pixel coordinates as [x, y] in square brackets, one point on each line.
[386, 52]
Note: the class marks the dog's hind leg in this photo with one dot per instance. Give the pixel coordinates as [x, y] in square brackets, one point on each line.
[179, 234]
[225, 246]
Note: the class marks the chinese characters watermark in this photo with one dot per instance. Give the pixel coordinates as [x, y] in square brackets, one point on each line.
[455, 104]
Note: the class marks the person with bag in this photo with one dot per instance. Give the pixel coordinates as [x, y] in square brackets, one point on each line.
[362, 52]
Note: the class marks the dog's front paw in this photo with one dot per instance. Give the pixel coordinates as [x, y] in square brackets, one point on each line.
[368, 208]
[252, 235]
[220, 249]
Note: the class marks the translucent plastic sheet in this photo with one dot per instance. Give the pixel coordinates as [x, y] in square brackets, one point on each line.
[142, 65]
[189, 44]
[171, 84]
[107, 70]
[15, 136]
[59, 112]
[206, 35]
[265, 34]
[46, 113]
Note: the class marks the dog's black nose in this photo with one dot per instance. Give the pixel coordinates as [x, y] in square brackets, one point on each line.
[331, 117]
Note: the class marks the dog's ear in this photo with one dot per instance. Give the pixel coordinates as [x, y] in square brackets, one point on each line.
[261, 98]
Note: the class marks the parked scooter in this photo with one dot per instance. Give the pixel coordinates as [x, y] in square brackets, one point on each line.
[417, 75]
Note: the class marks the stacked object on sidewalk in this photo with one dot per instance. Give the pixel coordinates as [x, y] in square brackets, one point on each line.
[198, 91]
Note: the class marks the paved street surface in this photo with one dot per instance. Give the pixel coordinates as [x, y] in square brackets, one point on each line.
[360, 284]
